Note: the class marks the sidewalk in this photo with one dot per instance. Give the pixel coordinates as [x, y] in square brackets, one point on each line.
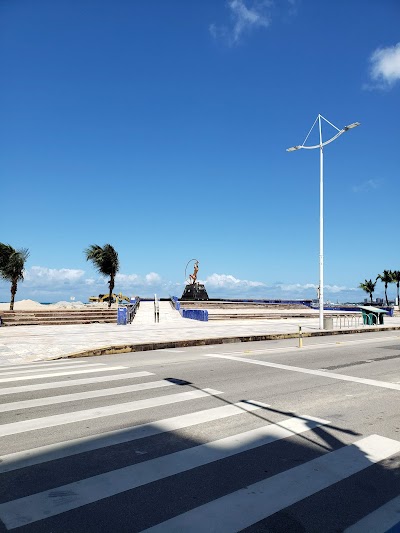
[22, 344]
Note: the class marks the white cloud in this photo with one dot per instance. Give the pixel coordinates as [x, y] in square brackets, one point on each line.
[305, 288]
[384, 67]
[244, 18]
[229, 281]
[366, 186]
[295, 287]
[152, 278]
[38, 276]
[51, 285]
[126, 280]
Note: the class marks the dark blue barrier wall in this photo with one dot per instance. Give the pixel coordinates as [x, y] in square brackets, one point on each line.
[195, 314]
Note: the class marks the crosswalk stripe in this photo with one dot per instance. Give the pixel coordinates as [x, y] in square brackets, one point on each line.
[379, 521]
[98, 393]
[33, 370]
[89, 414]
[256, 502]
[72, 383]
[321, 373]
[60, 450]
[38, 364]
[63, 373]
[73, 495]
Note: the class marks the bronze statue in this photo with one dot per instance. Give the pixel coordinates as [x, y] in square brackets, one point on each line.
[193, 276]
[193, 289]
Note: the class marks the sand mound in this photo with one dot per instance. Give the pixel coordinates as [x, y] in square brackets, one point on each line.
[66, 305]
[26, 305]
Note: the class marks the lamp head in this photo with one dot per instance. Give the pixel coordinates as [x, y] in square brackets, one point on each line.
[351, 126]
[293, 148]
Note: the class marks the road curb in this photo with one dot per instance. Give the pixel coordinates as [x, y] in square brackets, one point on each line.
[115, 349]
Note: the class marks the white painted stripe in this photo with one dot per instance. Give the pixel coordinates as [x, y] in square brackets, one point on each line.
[38, 364]
[61, 499]
[314, 345]
[98, 412]
[256, 502]
[321, 373]
[72, 383]
[33, 370]
[98, 393]
[15, 461]
[62, 373]
[379, 521]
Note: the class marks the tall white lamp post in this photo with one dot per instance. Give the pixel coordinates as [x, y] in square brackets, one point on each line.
[321, 199]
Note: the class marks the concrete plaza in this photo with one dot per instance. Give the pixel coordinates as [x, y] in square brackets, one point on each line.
[22, 344]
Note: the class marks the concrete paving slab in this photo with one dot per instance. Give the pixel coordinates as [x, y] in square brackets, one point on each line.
[21, 344]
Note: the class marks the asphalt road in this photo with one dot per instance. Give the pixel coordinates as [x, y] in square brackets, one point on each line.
[255, 437]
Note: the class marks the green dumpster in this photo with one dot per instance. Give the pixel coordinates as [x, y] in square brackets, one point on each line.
[372, 315]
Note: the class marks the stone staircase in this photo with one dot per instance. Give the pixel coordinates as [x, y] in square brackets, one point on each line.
[220, 310]
[58, 317]
[208, 304]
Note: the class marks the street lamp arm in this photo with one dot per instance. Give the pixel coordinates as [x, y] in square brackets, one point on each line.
[326, 142]
[338, 134]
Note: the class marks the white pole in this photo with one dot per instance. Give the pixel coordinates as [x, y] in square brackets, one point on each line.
[321, 230]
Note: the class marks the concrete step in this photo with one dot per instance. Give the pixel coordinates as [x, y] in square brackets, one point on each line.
[62, 316]
[191, 304]
[257, 316]
[60, 312]
[53, 322]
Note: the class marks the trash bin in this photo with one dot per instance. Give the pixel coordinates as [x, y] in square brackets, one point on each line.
[328, 322]
[122, 316]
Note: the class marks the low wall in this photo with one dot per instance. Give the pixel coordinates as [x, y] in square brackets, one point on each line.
[195, 314]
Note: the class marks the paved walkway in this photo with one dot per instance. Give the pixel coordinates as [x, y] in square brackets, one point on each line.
[21, 344]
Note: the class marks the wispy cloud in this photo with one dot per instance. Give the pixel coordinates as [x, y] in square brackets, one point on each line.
[367, 186]
[244, 18]
[384, 68]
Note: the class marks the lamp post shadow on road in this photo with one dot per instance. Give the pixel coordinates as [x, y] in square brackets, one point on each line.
[321, 198]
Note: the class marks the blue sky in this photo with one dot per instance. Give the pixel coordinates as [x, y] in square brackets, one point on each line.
[161, 127]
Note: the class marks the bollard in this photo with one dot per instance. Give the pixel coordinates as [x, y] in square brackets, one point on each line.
[300, 338]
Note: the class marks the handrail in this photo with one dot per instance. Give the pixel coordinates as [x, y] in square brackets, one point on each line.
[132, 308]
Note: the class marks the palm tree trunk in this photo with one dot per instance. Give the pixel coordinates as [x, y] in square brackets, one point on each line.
[111, 285]
[387, 301]
[370, 294]
[13, 292]
[398, 301]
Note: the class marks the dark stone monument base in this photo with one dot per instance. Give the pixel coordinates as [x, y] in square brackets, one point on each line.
[195, 291]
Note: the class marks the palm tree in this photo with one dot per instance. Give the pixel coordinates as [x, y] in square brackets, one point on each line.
[396, 279]
[368, 286]
[106, 262]
[386, 278]
[12, 264]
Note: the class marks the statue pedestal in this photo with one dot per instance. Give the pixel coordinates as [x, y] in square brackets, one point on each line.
[195, 291]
